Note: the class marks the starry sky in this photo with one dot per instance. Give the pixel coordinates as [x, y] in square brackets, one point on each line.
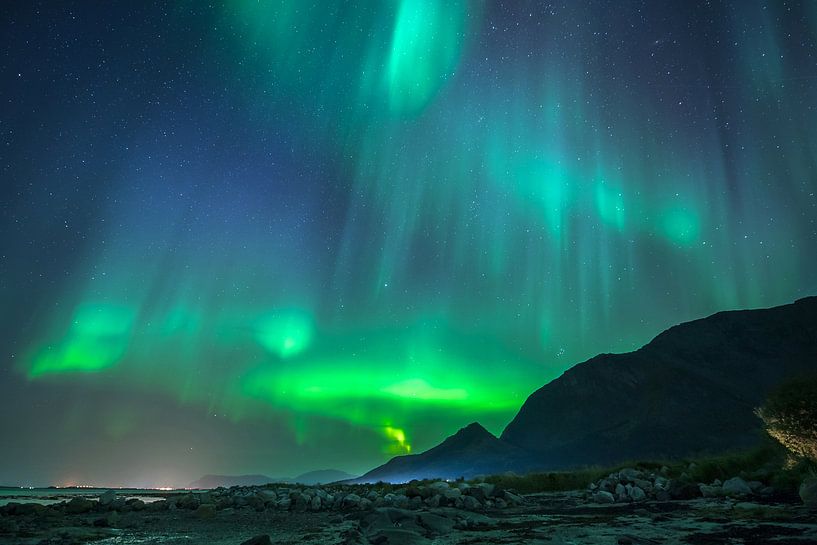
[271, 236]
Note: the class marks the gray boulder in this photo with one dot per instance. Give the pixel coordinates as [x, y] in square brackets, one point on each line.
[471, 503]
[351, 501]
[602, 496]
[637, 494]
[107, 498]
[736, 487]
[709, 491]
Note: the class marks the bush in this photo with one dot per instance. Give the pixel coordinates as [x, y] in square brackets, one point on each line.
[790, 416]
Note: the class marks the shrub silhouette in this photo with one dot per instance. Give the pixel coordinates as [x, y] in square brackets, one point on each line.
[790, 416]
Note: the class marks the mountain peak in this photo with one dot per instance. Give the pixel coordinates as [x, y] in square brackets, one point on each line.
[469, 436]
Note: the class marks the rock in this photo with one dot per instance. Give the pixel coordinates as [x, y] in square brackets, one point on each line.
[78, 506]
[629, 474]
[620, 491]
[755, 486]
[607, 485]
[487, 490]
[300, 502]
[471, 503]
[258, 540]
[708, 491]
[808, 493]
[451, 493]
[283, 504]
[401, 501]
[512, 499]
[109, 520]
[24, 509]
[433, 501]
[156, 506]
[636, 494]
[187, 501]
[254, 501]
[736, 487]
[107, 498]
[602, 496]
[269, 496]
[412, 492]
[435, 524]
[766, 491]
[315, 504]
[351, 501]
[136, 504]
[681, 490]
[662, 495]
[206, 511]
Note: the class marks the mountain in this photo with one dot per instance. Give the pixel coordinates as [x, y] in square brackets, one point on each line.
[214, 481]
[322, 476]
[691, 390]
[471, 451]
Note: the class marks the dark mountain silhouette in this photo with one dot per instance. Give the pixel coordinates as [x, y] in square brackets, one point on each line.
[692, 390]
[471, 451]
[321, 476]
[214, 481]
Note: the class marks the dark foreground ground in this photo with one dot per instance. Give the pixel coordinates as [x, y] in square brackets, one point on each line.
[547, 518]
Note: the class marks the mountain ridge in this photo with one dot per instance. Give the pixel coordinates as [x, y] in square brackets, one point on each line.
[320, 476]
[690, 390]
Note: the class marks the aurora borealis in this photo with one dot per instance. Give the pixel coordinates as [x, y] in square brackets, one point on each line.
[276, 236]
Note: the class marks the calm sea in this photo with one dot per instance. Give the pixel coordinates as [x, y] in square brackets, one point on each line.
[48, 496]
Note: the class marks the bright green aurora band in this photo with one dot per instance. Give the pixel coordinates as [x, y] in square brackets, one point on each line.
[457, 211]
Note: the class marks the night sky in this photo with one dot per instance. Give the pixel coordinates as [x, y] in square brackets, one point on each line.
[277, 236]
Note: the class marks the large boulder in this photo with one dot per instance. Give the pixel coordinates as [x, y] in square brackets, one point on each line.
[736, 487]
[808, 493]
[602, 496]
[78, 506]
[107, 498]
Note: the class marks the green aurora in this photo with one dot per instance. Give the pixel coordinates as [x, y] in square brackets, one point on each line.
[414, 213]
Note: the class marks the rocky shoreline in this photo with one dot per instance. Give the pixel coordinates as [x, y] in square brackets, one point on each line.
[628, 506]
